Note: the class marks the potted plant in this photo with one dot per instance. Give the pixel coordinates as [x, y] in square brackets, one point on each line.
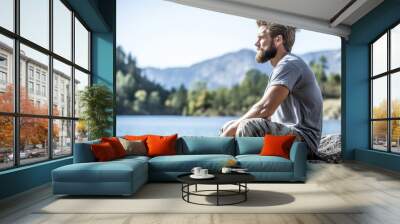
[96, 103]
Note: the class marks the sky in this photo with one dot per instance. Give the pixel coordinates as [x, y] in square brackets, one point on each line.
[166, 34]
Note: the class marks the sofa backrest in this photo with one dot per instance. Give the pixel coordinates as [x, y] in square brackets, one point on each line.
[249, 145]
[192, 145]
[83, 152]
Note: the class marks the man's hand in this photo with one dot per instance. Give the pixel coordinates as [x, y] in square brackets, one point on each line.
[230, 130]
[264, 108]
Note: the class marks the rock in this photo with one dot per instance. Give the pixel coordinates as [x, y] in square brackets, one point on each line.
[330, 148]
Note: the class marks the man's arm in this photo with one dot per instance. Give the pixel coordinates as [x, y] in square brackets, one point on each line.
[264, 108]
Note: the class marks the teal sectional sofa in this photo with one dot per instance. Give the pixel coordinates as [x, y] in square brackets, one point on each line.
[125, 176]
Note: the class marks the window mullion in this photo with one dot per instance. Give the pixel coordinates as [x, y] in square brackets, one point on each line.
[371, 98]
[50, 81]
[73, 82]
[16, 85]
[389, 77]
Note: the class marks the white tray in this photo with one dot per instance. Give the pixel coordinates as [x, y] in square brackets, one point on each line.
[208, 176]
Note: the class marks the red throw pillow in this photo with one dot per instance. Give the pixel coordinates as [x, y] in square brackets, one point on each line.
[103, 151]
[275, 145]
[161, 145]
[116, 145]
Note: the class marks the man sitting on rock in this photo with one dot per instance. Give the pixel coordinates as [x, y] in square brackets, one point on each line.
[292, 101]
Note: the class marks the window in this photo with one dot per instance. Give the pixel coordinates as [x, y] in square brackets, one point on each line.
[81, 81]
[62, 29]
[38, 89]
[37, 75]
[34, 21]
[385, 97]
[62, 74]
[62, 137]
[81, 45]
[3, 78]
[3, 72]
[33, 147]
[6, 142]
[7, 14]
[30, 87]
[395, 47]
[55, 101]
[3, 61]
[30, 72]
[45, 131]
[6, 73]
[44, 91]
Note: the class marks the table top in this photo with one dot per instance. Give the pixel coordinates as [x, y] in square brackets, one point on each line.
[220, 178]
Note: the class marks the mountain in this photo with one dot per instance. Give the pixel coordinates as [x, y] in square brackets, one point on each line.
[228, 69]
[333, 58]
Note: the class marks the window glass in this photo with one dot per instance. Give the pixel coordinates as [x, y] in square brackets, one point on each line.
[62, 91]
[379, 56]
[6, 74]
[81, 82]
[6, 142]
[395, 47]
[81, 45]
[379, 135]
[34, 21]
[395, 136]
[62, 29]
[62, 137]
[30, 58]
[33, 140]
[7, 14]
[395, 95]
[379, 97]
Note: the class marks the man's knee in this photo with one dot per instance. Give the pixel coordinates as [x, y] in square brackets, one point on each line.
[244, 127]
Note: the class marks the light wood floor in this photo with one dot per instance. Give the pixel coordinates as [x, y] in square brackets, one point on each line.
[378, 188]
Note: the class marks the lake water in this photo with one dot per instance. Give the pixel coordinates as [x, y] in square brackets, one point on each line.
[187, 125]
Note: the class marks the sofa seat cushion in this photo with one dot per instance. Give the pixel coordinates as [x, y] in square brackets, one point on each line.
[112, 171]
[257, 163]
[185, 163]
[133, 158]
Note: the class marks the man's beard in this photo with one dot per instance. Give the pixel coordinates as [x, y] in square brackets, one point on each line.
[264, 56]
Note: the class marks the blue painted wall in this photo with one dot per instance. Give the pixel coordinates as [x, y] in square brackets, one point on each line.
[355, 86]
[103, 63]
[99, 16]
[24, 178]
[103, 51]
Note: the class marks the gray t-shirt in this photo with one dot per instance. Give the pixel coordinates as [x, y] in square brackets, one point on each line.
[302, 109]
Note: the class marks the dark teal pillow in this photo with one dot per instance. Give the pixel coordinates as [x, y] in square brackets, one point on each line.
[194, 145]
[249, 145]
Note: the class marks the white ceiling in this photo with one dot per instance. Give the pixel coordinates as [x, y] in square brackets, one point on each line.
[316, 15]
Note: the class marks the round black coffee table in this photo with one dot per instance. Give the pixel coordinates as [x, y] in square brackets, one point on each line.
[238, 179]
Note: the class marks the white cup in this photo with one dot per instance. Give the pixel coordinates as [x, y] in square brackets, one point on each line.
[196, 171]
[203, 172]
[226, 170]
